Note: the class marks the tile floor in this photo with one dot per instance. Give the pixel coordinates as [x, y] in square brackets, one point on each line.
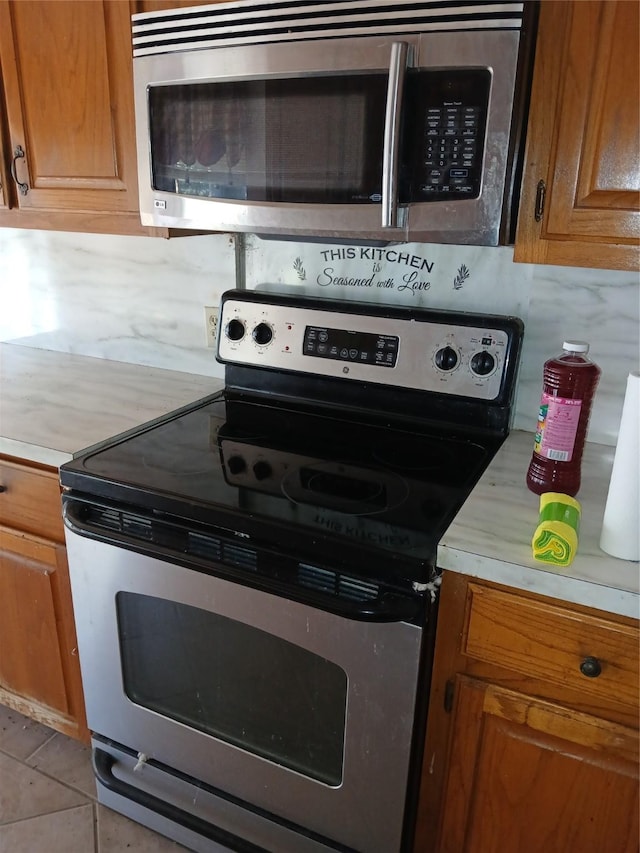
[48, 798]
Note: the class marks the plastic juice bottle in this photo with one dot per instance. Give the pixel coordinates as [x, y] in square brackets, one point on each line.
[568, 384]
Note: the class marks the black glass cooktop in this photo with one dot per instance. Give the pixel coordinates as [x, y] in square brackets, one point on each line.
[337, 488]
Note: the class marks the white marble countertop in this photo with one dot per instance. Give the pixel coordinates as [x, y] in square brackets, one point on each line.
[53, 404]
[490, 537]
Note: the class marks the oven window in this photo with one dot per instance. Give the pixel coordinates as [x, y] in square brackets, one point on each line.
[311, 139]
[235, 682]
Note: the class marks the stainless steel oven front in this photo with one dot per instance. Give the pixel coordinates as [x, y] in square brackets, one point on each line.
[220, 706]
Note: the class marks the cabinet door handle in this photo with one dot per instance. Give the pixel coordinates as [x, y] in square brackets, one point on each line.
[18, 154]
[591, 667]
[541, 194]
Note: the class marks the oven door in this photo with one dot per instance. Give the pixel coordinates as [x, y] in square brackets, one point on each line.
[303, 715]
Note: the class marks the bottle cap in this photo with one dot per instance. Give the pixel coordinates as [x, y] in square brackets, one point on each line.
[576, 346]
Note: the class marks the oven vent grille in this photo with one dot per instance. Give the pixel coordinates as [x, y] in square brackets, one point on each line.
[108, 519]
[203, 545]
[213, 548]
[167, 31]
[236, 555]
[336, 583]
[134, 526]
[139, 528]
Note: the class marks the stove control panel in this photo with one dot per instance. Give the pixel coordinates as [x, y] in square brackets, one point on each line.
[446, 352]
[347, 345]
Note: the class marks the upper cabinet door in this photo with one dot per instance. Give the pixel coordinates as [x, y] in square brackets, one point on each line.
[4, 196]
[67, 75]
[583, 139]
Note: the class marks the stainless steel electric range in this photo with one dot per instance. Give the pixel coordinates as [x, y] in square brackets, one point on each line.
[254, 576]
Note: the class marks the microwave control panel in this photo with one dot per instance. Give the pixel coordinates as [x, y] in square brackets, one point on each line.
[468, 358]
[446, 126]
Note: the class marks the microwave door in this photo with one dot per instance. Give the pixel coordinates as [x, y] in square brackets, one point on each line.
[311, 152]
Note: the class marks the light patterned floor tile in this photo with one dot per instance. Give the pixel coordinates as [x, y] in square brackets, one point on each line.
[67, 760]
[69, 831]
[20, 736]
[26, 793]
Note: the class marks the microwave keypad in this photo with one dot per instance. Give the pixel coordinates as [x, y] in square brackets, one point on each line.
[451, 147]
[448, 117]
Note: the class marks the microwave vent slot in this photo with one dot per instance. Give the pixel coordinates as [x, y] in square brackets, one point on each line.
[226, 24]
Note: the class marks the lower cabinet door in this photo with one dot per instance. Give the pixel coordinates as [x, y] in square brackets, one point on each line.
[39, 667]
[532, 776]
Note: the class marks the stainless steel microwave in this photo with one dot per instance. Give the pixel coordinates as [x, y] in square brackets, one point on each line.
[359, 120]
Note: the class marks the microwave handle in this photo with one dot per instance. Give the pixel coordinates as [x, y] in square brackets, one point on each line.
[395, 89]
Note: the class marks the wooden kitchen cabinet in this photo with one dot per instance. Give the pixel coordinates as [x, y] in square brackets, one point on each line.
[524, 751]
[583, 139]
[67, 79]
[4, 174]
[39, 665]
[67, 75]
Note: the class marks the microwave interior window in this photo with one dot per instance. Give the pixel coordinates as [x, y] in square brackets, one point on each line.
[309, 139]
[235, 682]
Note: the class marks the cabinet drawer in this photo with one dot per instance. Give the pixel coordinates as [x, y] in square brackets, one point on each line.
[549, 642]
[30, 500]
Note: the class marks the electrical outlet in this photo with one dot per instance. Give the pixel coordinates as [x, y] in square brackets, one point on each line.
[211, 320]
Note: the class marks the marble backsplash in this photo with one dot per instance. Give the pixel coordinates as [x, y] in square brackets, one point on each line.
[133, 299]
[141, 300]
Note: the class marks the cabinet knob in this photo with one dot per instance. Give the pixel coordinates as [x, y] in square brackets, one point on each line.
[591, 667]
[3, 488]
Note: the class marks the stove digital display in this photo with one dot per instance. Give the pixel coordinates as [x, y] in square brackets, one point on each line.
[344, 345]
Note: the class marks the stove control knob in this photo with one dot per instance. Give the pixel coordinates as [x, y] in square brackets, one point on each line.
[262, 334]
[446, 358]
[235, 330]
[236, 465]
[482, 363]
[262, 470]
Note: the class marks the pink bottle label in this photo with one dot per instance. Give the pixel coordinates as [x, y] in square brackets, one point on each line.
[557, 427]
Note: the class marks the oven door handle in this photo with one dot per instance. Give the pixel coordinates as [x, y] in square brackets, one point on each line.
[103, 763]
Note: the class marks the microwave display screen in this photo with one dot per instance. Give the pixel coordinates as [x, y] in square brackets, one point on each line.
[319, 139]
[303, 139]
